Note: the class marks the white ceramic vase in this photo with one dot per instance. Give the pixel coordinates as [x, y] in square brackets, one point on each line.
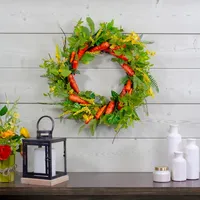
[173, 143]
[179, 167]
[192, 159]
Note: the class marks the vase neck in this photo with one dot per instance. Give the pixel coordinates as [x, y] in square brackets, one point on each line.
[178, 154]
[173, 129]
[191, 141]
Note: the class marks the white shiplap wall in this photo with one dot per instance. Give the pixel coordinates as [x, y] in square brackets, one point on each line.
[29, 31]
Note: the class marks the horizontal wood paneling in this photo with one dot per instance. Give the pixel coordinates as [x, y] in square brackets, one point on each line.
[127, 155]
[166, 16]
[176, 86]
[27, 51]
[153, 126]
[123, 155]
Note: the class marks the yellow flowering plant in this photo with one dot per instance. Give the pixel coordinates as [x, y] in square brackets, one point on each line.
[11, 133]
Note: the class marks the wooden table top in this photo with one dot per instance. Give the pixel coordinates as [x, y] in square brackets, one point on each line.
[105, 184]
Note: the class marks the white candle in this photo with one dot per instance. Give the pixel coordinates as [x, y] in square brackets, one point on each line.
[39, 161]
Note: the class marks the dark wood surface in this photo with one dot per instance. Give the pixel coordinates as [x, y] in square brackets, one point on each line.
[107, 186]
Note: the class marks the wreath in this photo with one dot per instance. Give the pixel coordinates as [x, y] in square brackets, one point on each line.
[120, 111]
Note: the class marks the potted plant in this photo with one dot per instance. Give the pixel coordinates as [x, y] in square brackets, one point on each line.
[11, 135]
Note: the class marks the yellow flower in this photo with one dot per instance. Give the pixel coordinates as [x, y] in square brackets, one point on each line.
[7, 134]
[151, 53]
[57, 53]
[16, 115]
[71, 91]
[24, 132]
[133, 38]
[150, 92]
[60, 70]
[84, 109]
[52, 88]
[96, 108]
[87, 118]
[146, 78]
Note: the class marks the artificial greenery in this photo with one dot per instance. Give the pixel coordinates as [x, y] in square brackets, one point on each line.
[137, 57]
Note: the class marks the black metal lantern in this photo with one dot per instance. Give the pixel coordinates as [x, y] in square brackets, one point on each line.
[44, 140]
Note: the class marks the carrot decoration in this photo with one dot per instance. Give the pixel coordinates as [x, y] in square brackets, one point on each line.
[123, 92]
[73, 83]
[130, 91]
[82, 51]
[77, 99]
[128, 69]
[75, 64]
[128, 85]
[72, 56]
[100, 112]
[119, 47]
[101, 47]
[110, 107]
[118, 56]
[119, 105]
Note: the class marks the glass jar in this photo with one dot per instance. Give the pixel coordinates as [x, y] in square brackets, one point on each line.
[161, 174]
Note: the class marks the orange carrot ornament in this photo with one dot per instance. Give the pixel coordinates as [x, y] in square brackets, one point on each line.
[73, 83]
[82, 51]
[123, 92]
[118, 56]
[119, 105]
[110, 108]
[100, 112]
[72, 56]
[75, 64]
[128, 69]
[101, 47]
[128, 85]
[130, 91]
[77, 99]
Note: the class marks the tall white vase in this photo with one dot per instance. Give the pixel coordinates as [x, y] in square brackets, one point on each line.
[174, 143]
[179, 167]
[192, 159]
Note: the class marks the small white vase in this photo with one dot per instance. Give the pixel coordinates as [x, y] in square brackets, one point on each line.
[173, 142]
[192, 159]
[178, 167]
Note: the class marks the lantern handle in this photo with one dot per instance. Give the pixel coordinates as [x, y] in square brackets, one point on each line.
[49, 132]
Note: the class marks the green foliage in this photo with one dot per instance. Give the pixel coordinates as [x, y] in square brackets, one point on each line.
[9, 127]
[91, 25]
[87, 58]
[154, 83]
[137, 58]
[3, 111]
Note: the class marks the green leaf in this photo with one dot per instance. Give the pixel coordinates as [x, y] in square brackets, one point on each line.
[65, 72]
[91, 24]
[53, 71]
[77, 105]
[110, 24]
[87, 58]
[154, 83]
[76, 72]
[85, 31]
[124, 80]
[3, 111]
[81, 128]
[93, 125]
[115, 95]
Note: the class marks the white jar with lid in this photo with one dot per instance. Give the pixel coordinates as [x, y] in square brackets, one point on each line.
[161, 174]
